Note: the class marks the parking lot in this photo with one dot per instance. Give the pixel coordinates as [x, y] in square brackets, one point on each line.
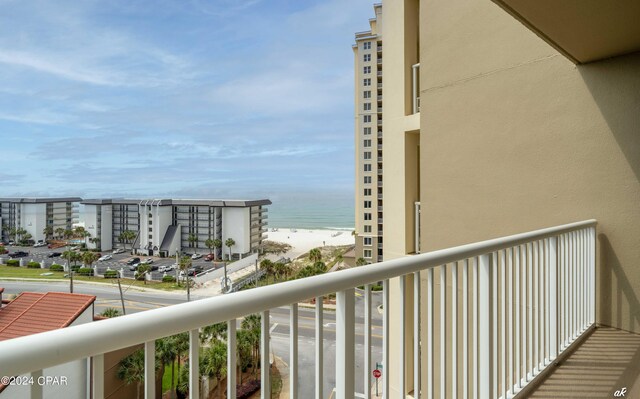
[119, 261]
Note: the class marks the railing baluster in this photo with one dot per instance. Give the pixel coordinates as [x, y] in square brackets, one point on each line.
[454, 330]
[97, 369]
[293, 351]
[465, 329]
[443, 331]
[35, 388]
[517, 343]
[592, 273]
[430, 329]
[494, 323]
[536, 305]
[345, 344]
[503, 323]
[265, 366]
[474, 327]
[401, 347]
[385, 339]
[231, 359]
[529, 335]
[553, 326]
[416, 335]
[150, 370]
[510, 323]
[320, 341]
[194, 364]
[484, 326]
[547, 288]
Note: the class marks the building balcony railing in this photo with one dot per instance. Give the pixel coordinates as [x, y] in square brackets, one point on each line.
[415, 69]
[513, 303]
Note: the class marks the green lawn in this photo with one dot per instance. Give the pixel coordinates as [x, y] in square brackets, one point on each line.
[166, 378]
[23, 272]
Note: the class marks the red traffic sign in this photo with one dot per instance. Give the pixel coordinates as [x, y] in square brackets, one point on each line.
[377, 373]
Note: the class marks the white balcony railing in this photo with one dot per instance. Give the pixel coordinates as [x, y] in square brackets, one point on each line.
[415, 86]
[521, 300]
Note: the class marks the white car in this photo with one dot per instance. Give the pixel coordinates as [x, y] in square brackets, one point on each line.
[166, 268]
[196, 256]
[147, 261]
[118, 251]
[39, 244]
[105, 257]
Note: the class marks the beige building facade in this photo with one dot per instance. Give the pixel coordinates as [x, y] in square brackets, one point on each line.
[368, 140]
[530, 118]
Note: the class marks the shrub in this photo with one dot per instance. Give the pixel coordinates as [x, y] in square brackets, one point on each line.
[2, 250]
[246, 390]
[13, 262]
[33, 265]
[75, 268]
[168, 279]
[111, 274]
[85, 271]
[56, 268]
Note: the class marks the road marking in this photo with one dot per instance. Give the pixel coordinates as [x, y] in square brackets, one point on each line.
[329, 324]
[327, 329]
[273, 328]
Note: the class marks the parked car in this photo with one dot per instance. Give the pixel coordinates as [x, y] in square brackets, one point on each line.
[195, 270]
[147, 261]
[39, 244]
[118, 251]
[196, 256]
[166, 268]
[134, 266]
[54, 254]
[105, 257]
[209, 257]
[133, 261]
[18, 254]
[11, 243]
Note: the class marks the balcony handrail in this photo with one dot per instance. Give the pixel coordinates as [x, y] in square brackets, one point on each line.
[35, 352]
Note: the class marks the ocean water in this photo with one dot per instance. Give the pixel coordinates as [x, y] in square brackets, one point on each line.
[322, 211]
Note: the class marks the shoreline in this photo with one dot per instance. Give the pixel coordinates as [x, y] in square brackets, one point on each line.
[302, 240]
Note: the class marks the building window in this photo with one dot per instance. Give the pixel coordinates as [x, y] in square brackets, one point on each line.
[367, 204]
[367, 143]
[367, 228]
[150, 236]
[366, 82]
[367, 253]
[367, 191]
[367, 241]
[366, 45]
[367, 118]
[367, 180]
[367, 106]
[367, 167]
[367, 216]
[367, 94]
[366, 58]
[367, 130]
[366, 70]
[150, 230]
[367, 155]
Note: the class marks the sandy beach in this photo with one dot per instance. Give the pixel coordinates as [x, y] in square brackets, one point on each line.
[302, 240]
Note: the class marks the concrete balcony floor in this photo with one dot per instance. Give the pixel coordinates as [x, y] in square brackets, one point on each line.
[607, 361]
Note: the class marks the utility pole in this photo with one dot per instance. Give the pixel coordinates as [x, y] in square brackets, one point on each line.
[124, 312]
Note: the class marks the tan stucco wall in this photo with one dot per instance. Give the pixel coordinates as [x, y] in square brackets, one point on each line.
[515, 137]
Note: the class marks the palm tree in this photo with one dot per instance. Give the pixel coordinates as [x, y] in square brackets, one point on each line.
[215, 331]
[230, 243]
[193, 239]
[184, 265]
[88, 258]
[126, 236]
[180, 345]
[59, 232]
[215, 362]
[96, 242]
[131, 369]
[26, 238]
[71, 256]
[142, 272]
[111, 312]
[217, 244]
[244, 351]
[315, 255]
[361, 262]
[251, 323]
[47, 231]
[267, 266]
[209, 244]
[20, 232]
[166, 353]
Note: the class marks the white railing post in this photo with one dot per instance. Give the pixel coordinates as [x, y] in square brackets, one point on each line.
[416, 335]
[367, 341]
[293, 351]
[385, 339]
[231, 359]
[484, 327]
[553, 293]
[36, 389]
[265, 365]
[320, 348]
[443, 331]
[150, 370]
[400, 345]
[430, 329]
[592, 271]
[97, 369]
[194, 364]
[345, 344]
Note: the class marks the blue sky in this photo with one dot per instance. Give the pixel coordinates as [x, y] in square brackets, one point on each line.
[164, 98]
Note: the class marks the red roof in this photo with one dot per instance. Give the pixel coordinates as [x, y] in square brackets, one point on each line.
[32, 313]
